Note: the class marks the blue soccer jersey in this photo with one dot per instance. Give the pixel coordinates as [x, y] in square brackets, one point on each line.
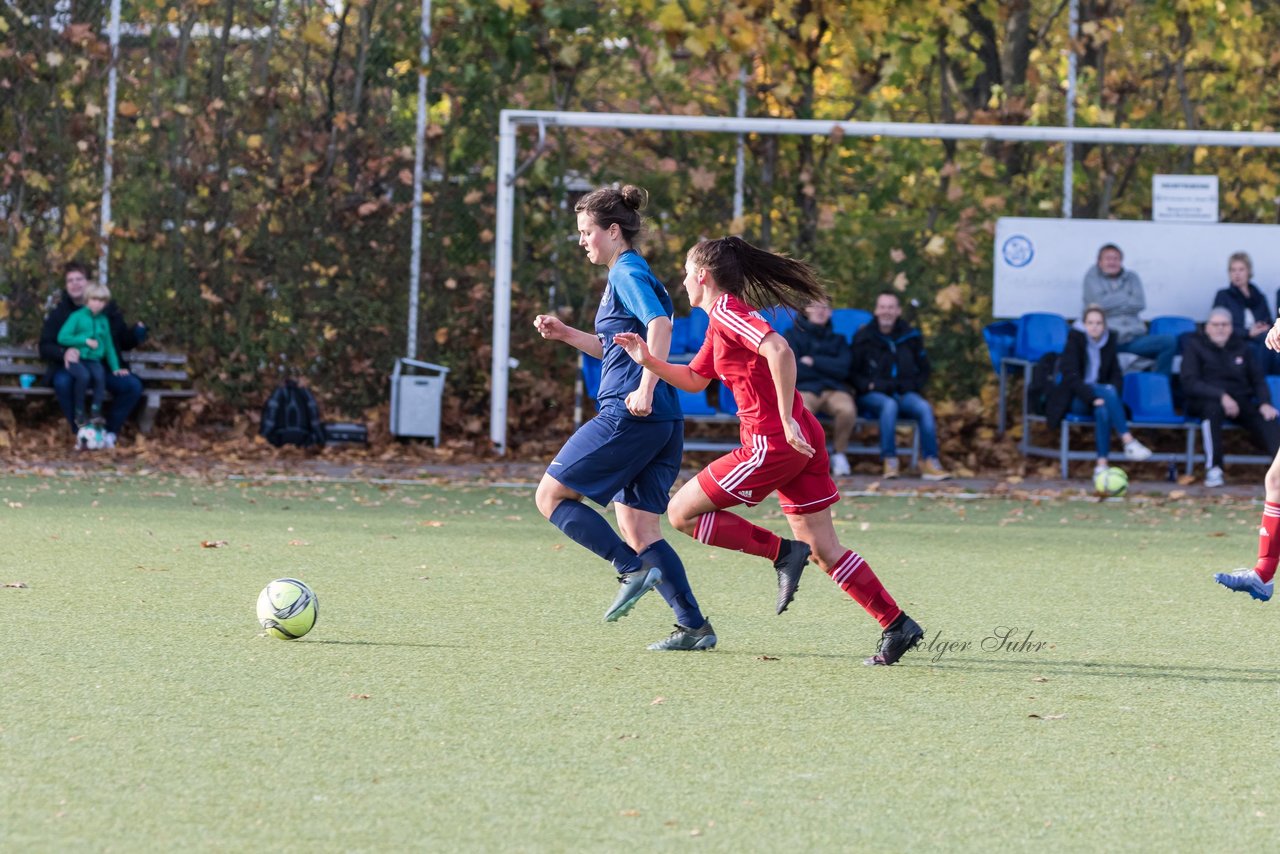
[633, 297]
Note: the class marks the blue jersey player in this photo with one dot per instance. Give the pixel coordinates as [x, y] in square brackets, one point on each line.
[630, 452]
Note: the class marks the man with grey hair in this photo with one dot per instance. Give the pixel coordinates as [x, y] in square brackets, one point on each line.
[1118, 292]
[1223, 381]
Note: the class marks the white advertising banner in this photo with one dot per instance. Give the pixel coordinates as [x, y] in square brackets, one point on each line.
[1039, 263]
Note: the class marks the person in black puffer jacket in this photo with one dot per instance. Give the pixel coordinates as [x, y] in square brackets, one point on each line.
[890, 369]
[1090, 378]
[823, 357]
[1222, 380]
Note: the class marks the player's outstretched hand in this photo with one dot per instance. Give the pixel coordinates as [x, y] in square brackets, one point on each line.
[635, 346]
[795, 438]
[550, 326]
[1273, 337]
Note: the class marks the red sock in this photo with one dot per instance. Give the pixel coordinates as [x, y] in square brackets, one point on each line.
[1269, 542]
[856, 578]
[727, 531]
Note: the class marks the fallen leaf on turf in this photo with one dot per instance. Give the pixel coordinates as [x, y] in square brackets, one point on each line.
[1216, 534]
[695, 832]
[299, 543]
[212, 544]
[360, 696]
[630, 813]
[19, 584]
[1047, 717]
[1177, 493]
[658, 701]
[627, 736]
[432, 523]
[1038, 679]
[766, 658]
[75, 738]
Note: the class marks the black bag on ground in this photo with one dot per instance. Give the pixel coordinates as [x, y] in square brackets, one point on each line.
[1044, 376]
[345, 433]
[292, 417]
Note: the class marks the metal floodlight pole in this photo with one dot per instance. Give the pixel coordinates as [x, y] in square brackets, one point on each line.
[104, 224]
[740, 163]
[419, 167]
[509, 119]
[1068, 150]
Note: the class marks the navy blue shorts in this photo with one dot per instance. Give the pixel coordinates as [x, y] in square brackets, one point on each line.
[611, 458]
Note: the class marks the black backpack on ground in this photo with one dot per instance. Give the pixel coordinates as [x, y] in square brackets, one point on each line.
[292, 417]
[1044, 376]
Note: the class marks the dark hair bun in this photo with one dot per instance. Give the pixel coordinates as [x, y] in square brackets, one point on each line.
[633, 197]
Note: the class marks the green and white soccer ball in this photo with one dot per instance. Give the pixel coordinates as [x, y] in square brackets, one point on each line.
[287, 608]
[1110, 482]
[90, 437]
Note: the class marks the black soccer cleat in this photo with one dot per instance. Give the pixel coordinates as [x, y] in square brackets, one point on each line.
[902, 634]
[685, 639]
[792, 557]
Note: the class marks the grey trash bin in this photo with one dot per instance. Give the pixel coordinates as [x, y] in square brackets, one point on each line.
[416, 392]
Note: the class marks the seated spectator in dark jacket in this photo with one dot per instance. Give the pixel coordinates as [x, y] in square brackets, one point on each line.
[823, 357]
[125, 390]
[890, 369]
[1250, 315]
[1222, 380]
[1091, 376]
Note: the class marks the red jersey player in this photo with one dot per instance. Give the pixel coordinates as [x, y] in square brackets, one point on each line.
[1259, 582]
[783, 446]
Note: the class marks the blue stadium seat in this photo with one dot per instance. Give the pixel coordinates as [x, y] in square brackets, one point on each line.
[1039, 333]
[695, 403]
[779, 317]
[728, 405]
[590, 367]
[1149, 397]
[1001, 338]
[1171, 324]
[1273, 385]
[847, 321]
[679, 335]
[697, 330]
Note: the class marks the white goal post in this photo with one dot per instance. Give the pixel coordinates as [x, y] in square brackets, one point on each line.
[510, 120]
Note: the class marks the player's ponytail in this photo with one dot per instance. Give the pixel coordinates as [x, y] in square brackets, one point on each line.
[757, 276]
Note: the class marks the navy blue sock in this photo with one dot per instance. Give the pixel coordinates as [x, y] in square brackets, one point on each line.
[674, 586]
[590, 530]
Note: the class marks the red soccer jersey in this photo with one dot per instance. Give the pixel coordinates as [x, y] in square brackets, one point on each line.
[731, 353]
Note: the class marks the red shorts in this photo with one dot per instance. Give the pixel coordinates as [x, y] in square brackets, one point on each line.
[766, 464]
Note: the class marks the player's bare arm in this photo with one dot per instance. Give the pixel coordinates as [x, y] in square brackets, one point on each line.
[782, 367]
[1273, 337]
[554, 329]
[679, 376]
[640, 401]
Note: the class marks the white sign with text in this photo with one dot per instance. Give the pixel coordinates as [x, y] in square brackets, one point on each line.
[1184, 198]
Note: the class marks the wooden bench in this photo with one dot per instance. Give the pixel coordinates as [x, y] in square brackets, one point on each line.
[163, 375]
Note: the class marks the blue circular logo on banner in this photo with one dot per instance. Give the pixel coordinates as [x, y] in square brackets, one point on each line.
[1018, 251]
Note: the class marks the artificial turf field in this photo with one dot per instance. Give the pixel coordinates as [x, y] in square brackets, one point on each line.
[460, 691]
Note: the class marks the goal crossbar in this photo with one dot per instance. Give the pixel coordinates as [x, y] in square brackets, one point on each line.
[510, 120]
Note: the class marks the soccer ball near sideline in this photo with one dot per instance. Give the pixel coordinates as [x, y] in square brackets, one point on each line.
[1110, 482]
[90, 437]
[287, 608]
